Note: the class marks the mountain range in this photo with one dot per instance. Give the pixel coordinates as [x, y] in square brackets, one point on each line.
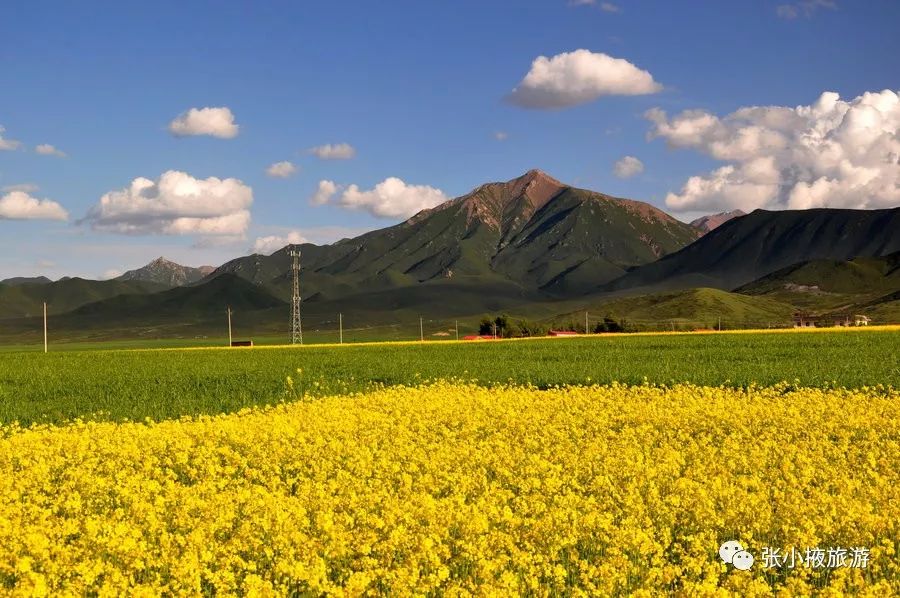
[752, 246]
[531, 245]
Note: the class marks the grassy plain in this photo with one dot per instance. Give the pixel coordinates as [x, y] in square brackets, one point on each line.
[164, 384]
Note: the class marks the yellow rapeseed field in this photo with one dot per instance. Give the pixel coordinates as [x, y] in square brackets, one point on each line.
[453, 489]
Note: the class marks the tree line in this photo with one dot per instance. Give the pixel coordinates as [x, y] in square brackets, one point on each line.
[505, 327]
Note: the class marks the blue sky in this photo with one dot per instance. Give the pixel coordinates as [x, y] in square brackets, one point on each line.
[420, 90]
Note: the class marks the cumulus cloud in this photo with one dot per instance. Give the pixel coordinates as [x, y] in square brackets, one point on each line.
[324, 193]
[832, 153]
[175, 204]
[19, 205]
[215, 122]
[281, 170]
[501, 135]
[806, 7]
[271, 244]
[45, 149]
[627, 167]
[337, 151]
[578, 77]
[391, 198]
[8, 144]
[26, 187]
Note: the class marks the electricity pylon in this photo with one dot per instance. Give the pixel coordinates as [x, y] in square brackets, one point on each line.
[296, 327]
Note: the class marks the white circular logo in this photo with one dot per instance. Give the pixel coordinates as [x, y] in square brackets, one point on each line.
[729, 549]
[742, 560]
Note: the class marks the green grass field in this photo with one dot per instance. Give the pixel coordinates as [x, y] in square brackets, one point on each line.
[123, 384]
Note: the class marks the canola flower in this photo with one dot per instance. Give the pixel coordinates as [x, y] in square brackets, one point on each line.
[455, 489]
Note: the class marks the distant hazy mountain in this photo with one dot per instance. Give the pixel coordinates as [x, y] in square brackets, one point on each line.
[712, 221]
[747, 248]
[20, 280]
[163, 271]
[530, 236]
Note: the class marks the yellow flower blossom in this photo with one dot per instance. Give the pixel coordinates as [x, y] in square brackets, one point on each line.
[456, 489]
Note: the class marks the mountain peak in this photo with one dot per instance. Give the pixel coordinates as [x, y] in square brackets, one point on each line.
[495, 203]
[536, 174]
[165, 271]
[712, 221]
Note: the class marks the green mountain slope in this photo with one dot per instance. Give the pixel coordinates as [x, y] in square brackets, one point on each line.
[864, 285]
[695, 308]
[26, 300]
[205, 300]
[857, 276]
[20, 280]
[750, 247]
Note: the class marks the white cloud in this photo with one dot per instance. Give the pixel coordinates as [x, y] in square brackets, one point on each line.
[111, 273]
[578, 77]
[833, 153]
[281, 170]
[610, 7]
[8, 144]
[271, 244]
[216, 122]
[26, 187]
[582, 2]
[391, 198]
[805, 7]
[627, 167]
[337, 151]
[175, 204]
[45, 149]
[501, 135]
[19, 205]
[232, 242]
[45, 264]
[324, 193]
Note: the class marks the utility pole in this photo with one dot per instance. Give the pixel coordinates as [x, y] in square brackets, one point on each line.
[585, 322]
[421, 330]
[456, 327]
[720, 323]
[341, 327]
[494, 326]
[229, 325]
[45, 326]
[296, 326]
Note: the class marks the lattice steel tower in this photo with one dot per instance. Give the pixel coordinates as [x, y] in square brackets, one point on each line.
[296, 327]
